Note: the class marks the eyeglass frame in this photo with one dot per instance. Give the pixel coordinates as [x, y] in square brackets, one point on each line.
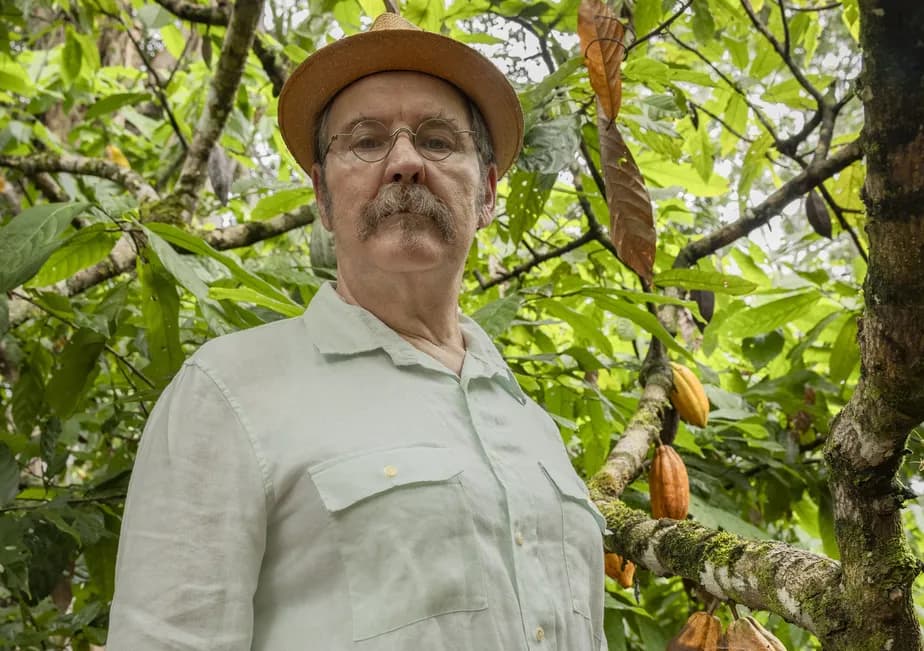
[412, 133]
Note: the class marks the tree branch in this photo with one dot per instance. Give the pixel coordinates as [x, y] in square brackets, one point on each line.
[34, 164]
[222, 89]
[216, 14]
[812, 176]
[800, 586]
[122, 257]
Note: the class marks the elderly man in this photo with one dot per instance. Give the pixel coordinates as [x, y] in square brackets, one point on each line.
[369, 475]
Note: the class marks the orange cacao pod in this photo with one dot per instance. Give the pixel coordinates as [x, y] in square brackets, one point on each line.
[669, 484]
[689, 397]
[746, 634]
[702, 632]
[620, 570]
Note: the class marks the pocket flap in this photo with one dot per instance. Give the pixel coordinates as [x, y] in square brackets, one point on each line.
[344, 481]
[573, 489]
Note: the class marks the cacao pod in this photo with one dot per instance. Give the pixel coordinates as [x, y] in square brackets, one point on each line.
[669, 484]
[620, 570]
[705, 300]
[702, 632]
[746, 634]
[817, 214]
[689, 397]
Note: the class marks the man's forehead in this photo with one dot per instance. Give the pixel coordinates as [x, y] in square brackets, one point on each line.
[398, 92]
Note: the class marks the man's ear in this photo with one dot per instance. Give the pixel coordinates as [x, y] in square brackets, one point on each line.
[320, 195]
[489, 198]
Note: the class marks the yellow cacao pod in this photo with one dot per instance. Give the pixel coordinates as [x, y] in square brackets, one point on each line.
[669, 484]
[746, 634]
[689, 396]
[115, 154]
[620, 570]
[702, 632]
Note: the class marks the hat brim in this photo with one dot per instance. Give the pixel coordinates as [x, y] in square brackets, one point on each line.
[334, 67]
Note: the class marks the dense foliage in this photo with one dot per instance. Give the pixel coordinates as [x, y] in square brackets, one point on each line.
[730, 110]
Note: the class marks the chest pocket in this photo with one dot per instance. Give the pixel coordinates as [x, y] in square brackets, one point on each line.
[582, 539]
[406, 536]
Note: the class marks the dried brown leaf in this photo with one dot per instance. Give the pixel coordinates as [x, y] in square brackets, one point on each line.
[602, 43]
[631, 221]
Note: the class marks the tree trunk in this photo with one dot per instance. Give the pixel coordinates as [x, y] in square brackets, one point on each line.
[867, 442]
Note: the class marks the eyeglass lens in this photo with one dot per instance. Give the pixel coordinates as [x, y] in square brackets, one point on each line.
[371, 141]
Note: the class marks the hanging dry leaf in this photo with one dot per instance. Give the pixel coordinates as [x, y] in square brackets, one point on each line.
[601, 36]
[631, 221]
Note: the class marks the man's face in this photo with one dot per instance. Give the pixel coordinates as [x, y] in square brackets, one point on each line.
[404, 213]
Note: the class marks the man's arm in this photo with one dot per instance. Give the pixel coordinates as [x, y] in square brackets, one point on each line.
[194, 528]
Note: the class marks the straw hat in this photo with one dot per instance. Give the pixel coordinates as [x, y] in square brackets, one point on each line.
[392, 43]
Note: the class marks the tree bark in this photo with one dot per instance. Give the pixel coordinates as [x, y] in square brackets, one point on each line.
[867, 442]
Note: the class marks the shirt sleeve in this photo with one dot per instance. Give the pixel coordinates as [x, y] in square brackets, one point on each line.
[194, 527]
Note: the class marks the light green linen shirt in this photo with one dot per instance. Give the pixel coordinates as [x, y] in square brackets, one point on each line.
[320, 484]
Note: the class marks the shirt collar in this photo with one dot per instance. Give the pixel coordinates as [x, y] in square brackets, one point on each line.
[340, 329]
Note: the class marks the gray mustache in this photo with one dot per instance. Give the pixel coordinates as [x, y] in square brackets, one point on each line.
[401, 198]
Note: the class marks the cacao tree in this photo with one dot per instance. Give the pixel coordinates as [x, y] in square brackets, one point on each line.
[730, 185]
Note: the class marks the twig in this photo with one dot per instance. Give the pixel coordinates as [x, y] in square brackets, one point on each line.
[783, 52]
[589, 236]
[74, 326]
[763, 119]
[158, 86]
[660, 29]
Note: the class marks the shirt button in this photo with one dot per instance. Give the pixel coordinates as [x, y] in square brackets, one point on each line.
[519, 538]
[540, 634]
[390, 471]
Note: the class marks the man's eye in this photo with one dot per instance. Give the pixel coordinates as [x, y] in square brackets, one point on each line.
[368, 142]
[438, 142]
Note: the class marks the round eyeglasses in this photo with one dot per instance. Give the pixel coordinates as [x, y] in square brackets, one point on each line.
[435, 139]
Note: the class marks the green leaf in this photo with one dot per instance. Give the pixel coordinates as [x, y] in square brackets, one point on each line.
[28, 399]
[716, 518]
[528, 193]
[769, 316]
[160, 308]
[280, 202]
[13, 79]
[9, 475]
[154, 16]
[71, 57]
[89, 246]
[115, 102]
[763, 349]
[845, 354]
[642, 318]
[647, 15]
[75, 372]
[549, 147]
[198, 246]
[583, 326]
[4, 314]
[496, 316]
[713, 281]
[28, 240]
[249, 295]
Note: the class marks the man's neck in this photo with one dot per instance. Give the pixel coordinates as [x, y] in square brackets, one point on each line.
[420, 308]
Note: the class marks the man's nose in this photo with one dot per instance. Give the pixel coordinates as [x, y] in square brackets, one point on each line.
[404, 163]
